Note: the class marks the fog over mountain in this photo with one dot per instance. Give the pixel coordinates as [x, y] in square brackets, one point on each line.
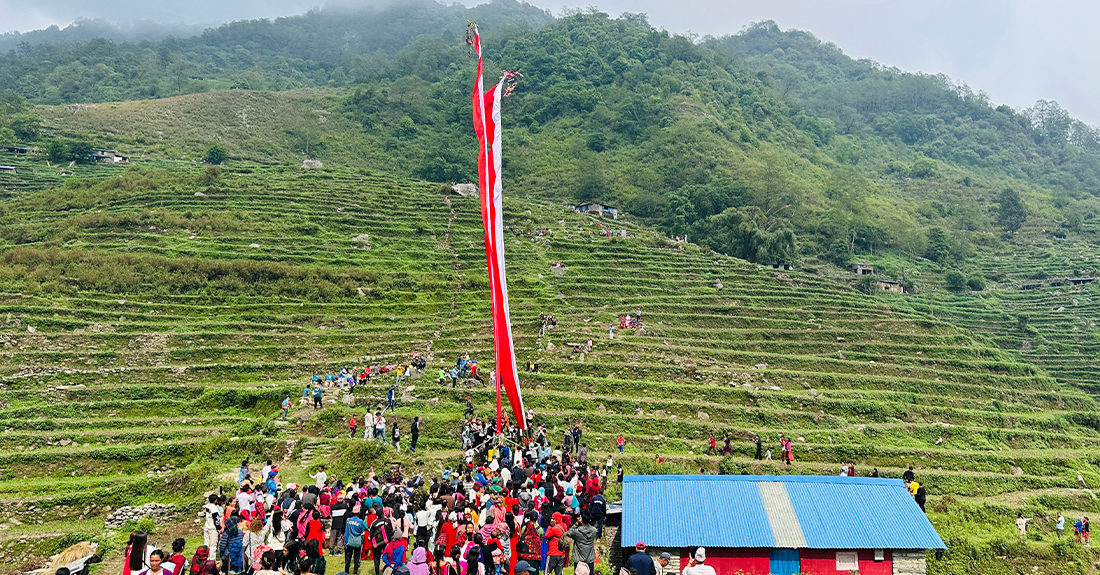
[1018, 51]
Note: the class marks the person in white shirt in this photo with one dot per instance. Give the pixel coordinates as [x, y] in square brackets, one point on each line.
[700, 567]
[267, 470]
[368, 425]
[379, 427]
[245, 500]
[320, 478]
[214, 513]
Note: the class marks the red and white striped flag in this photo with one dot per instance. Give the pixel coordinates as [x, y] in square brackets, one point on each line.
[487, 127]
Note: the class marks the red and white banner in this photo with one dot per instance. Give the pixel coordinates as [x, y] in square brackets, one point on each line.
[487, 127]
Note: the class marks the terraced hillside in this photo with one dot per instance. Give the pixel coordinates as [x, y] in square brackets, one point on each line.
[152, 321]
[1032, 307]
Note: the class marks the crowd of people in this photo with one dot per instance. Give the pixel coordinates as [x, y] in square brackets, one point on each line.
[347, 378]
[511, 509]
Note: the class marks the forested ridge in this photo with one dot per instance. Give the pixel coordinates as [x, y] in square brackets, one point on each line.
[766, 145]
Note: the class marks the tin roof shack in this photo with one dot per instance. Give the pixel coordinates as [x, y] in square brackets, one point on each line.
[782, 525]
[109, 157]
[1080, 281]
[596, 209]
[862, 269]
[780, 266]
[17, 149]
[7, 169]
[890, 286]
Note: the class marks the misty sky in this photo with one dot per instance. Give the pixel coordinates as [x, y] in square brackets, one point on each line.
[1017, 50]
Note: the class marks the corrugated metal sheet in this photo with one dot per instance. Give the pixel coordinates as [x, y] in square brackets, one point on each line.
[842, 515]
[729, 511]
[786, 529]
[692, 512]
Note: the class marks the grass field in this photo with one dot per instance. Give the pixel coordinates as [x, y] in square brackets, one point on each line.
[151, 320]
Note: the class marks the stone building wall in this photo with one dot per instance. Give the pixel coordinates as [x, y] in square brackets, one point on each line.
[909, 562]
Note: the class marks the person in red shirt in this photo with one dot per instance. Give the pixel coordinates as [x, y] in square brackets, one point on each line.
[177, 558]
[555, 558]
[352, 424]
[593, 486]
[450, 534]
[712, 446]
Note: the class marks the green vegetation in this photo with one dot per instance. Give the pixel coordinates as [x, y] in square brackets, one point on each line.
[155, 315]
[143, 321]
[216, 154]
[735, 142]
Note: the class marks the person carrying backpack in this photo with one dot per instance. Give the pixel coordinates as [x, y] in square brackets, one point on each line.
[557, 546]
[354, 531]
[286, 406]
[381, 532]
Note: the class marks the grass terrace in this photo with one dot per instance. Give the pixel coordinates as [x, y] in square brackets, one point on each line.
[152, 320]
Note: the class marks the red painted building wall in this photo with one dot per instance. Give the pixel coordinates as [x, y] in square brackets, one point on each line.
[727, 561]
[823, 562]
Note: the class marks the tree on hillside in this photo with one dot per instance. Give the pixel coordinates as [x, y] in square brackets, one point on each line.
[938, 245]
[57, 151]
[867, 285]
[216, 154]
[81, 152]
[747, 233]
[955, 280]
[1011, 211]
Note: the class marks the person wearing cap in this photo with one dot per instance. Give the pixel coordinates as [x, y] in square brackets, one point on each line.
[700, 567]
[524, 568]
[640, 561]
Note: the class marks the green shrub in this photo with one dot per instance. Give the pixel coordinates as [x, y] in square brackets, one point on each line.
[81, 152]
[954, 280]
[867, 285]
[976, 282]
[923, 168]
[216, 154]
[354, 458]
[57, 151]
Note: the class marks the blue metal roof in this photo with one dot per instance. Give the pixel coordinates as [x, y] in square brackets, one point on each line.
[729, 511]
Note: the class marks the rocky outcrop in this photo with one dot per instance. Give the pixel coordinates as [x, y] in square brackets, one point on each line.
[160, 513]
